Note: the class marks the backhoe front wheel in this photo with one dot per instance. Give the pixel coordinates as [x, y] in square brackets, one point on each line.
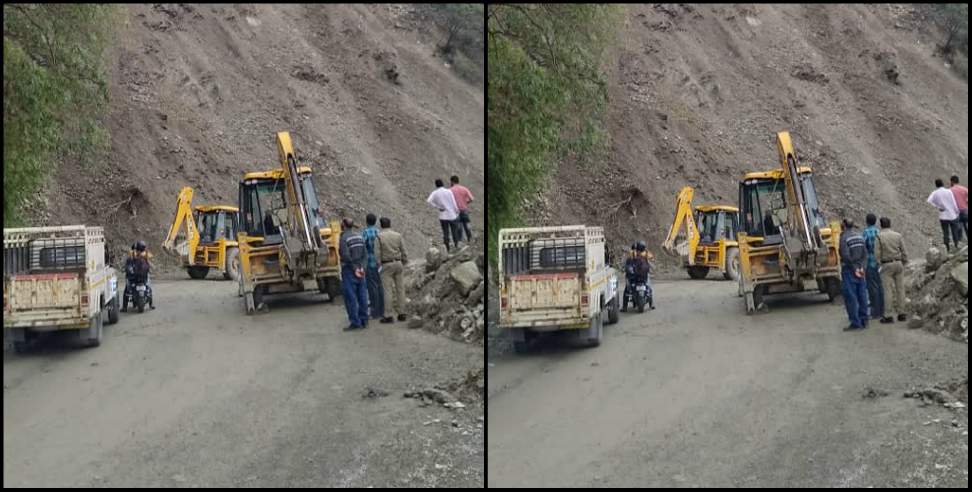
[198, 272]
[698, 272]
[232, 267]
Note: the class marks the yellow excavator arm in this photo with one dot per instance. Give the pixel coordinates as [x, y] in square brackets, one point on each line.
[683, 214]
[799, 225]
[183, 215]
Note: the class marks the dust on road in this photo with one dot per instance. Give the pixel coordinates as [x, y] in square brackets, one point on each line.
[696, 393]
[195, 393]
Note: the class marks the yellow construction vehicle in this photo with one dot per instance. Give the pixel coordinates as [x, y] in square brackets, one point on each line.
[285, 243]
[785, 245]
[210, 241]
[709, 240]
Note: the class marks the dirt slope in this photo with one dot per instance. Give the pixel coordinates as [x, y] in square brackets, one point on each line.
[198, 93]
[699, 92]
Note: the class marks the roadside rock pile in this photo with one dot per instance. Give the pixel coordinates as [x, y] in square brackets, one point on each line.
[938, 293]
[447, 293]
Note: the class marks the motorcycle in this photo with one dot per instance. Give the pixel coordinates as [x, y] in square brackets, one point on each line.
[638, 294]
[137, 291]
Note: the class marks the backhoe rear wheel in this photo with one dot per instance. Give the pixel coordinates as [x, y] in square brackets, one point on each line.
[232, 271]
[198, 272]
[732, 264]
[698, 272]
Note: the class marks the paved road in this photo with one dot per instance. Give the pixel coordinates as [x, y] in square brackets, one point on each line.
[696, 393]
[197, 394]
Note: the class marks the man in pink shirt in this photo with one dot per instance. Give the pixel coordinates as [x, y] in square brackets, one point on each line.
[962, 200]
[463, 197]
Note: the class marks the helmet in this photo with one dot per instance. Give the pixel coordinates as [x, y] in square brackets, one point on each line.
[634, 245]
[139, 245]
[640, 246]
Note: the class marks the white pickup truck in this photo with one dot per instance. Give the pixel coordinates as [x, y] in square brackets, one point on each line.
[57, 278]
[555, 279]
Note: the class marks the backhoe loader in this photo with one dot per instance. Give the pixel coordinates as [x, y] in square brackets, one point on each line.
[785, 245]
[210, 237]
[709, 240]
[285, 243]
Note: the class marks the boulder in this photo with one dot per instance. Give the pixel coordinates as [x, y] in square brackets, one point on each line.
[934, 258]
[467, 276]
[476, 295]
[415, 322]
[915, 322]
[961, 276]
[433, 258]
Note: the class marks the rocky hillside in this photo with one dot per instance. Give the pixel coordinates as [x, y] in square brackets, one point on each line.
[699, 92]
[198, 92]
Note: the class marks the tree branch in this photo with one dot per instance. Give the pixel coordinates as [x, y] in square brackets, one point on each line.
[43, 32]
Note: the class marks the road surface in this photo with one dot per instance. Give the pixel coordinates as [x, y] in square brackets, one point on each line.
[696, 393]
[195, 393]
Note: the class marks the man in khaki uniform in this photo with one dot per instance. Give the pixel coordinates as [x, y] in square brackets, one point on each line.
[890, 253]
[391, 256]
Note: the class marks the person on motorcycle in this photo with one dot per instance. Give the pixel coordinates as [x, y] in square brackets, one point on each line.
[637, 269]
[137, 269]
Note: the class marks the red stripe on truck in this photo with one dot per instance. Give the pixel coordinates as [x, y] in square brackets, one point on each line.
[545, 276]
[45, 276]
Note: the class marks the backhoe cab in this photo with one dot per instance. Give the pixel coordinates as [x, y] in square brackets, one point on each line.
[785, 244]
[210, 237]
[284, 238]
[709, 237]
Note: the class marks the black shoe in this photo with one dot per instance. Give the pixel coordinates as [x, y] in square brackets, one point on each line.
[852, 328]
[387, 320]
[352, 327]
[124, 310]
[902, 317]
[887, 319]
[402, 317]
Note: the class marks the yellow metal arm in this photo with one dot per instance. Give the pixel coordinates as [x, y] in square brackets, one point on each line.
[683, 214]
[183, 214]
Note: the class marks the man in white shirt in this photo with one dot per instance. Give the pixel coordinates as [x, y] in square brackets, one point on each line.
[444, 201]
[948, 212]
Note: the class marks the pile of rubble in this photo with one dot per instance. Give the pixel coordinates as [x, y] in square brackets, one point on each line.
[938, 293]
[447, 293]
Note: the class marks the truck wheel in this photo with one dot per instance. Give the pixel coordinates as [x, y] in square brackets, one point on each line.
[113, 310]
[197, 272]
[92, 336]
[613, 310]
[732, 264]
[232, 271]
[698, 272]
[596, 330]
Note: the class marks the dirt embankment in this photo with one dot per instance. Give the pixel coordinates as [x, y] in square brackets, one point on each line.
[698, 92]
[199, 91]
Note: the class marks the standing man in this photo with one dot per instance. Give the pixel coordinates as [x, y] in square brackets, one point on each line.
[891, 255]
[463, 197]
[875, 291]
[853, 258]
[445, 202]
[376, 295]
[961, 194]
[392, 257]
[354, 257]
[948, 213]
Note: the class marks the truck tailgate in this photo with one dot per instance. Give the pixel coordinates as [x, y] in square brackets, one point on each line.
[36, 296]
[545, 291]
